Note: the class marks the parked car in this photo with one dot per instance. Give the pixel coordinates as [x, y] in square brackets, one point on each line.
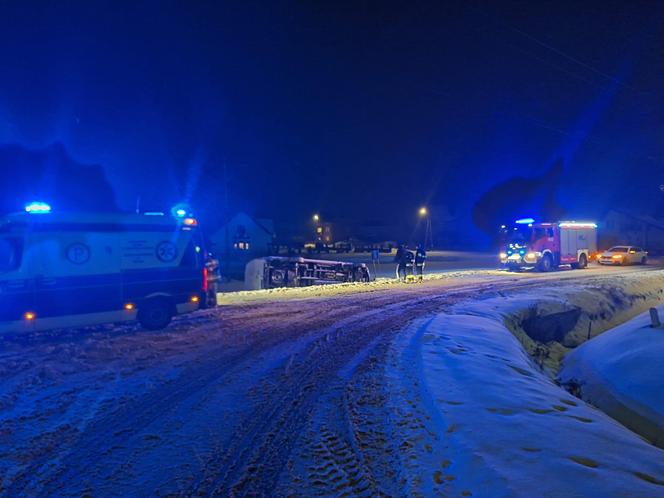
[624, 255]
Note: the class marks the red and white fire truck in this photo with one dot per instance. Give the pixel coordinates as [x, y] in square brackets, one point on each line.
[546, 246]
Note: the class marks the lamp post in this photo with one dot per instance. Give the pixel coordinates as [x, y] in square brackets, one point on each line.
[423, 212]
[318, 229]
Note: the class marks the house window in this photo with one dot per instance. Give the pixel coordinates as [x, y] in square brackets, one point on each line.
[241, 239]
[242, 245]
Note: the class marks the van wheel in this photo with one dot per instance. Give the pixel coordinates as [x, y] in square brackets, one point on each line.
[155, 314]
[644, 260]
[546, 264]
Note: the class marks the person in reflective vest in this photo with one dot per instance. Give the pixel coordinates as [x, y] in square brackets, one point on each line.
[420, 260]
[403, 259]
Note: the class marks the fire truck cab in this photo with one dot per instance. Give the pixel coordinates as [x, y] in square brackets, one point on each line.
[545, 246]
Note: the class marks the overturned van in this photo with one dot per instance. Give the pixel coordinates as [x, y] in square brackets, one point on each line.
[277, 271]
[65, 270]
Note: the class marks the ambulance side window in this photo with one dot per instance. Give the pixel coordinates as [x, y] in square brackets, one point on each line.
[11, 252]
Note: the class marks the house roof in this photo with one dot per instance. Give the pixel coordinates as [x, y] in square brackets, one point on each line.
[264, 224]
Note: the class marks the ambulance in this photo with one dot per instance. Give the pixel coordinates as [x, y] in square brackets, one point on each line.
[62, 270]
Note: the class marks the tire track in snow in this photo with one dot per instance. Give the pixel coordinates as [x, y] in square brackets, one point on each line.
[259, 450]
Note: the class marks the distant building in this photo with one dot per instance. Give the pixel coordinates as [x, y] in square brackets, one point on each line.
[624, 228]
[324, 233]
[240, 240]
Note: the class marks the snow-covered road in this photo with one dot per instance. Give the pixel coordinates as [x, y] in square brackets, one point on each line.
[290, 392]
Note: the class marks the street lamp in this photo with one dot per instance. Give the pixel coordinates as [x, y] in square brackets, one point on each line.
[316, 218]
[428, 236]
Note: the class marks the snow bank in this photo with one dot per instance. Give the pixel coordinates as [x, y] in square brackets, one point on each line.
[551, 321]
[499, 427]
[622, 372]
[331, 290]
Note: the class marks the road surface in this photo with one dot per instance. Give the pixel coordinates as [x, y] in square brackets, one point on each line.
[273, 393]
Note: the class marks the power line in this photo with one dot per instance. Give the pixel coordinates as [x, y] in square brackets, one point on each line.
[553, 49]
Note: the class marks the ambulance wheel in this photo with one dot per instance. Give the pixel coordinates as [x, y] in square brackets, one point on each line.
[546, 264]
[155, 314]
[583, 261]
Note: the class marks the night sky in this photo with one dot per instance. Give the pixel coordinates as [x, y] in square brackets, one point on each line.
[357, 110]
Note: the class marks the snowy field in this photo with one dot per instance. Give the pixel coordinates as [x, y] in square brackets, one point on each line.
[437, 261]
[386, 388]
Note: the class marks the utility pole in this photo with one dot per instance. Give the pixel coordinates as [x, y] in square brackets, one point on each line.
[227, 242]
[428, 235]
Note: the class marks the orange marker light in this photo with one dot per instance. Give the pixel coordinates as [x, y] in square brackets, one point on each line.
[190, 222]
[195, 299]
[129, 306]
[29, 315]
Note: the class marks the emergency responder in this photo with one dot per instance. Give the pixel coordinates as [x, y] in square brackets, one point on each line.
[403, 259]
[420, 259]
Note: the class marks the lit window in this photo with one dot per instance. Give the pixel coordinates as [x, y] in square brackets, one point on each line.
[241, 245]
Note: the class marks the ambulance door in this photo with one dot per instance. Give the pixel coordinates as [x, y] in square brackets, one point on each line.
[79, 273]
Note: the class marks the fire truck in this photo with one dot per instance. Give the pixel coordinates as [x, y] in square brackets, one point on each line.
[545, 246]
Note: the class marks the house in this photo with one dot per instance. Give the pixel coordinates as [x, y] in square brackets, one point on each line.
[620, 227]
[240, 240]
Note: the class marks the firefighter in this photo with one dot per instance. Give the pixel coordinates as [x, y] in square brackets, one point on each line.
[420, 259]
[403, 259]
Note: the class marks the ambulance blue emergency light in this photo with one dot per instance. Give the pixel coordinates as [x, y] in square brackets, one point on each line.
[37, 208]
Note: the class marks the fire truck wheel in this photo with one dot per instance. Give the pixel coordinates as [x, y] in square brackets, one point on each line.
[547, 263]
[583, 261]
